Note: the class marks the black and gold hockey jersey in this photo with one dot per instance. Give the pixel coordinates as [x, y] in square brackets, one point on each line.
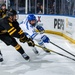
[11, 27]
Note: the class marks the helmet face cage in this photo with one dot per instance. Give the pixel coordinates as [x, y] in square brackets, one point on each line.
[32, 19]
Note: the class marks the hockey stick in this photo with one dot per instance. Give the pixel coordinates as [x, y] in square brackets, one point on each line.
[62, 49]
[56, 52]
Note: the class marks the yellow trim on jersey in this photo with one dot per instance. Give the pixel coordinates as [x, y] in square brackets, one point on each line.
[10, 29]
[3, 15]
[20, 32]
[10, 24]
[22, 37]
[17, 47]
[12, 32]
[3, 31]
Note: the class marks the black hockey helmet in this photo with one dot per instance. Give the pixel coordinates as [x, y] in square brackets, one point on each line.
[11, 12]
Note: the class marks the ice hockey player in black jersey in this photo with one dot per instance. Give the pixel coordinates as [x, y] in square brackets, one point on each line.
[3, 10]
[9, 29]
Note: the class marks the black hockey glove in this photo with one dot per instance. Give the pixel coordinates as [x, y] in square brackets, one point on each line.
[23, 38]
[30, 42]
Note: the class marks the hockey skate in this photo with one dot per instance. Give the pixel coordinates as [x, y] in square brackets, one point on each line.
[1, 58]
[35, 50]
[25, 56]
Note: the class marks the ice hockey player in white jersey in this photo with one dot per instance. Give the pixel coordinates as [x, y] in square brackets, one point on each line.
[29, 26]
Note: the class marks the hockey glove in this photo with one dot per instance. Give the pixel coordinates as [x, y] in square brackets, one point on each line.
[45, 39]
[30, 42]
[23, 38]
[40, 29]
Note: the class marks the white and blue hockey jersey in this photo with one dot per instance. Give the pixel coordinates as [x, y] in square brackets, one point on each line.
[28, 28]
[31, 31]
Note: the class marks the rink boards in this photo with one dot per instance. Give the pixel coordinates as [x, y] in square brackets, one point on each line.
[55, 24]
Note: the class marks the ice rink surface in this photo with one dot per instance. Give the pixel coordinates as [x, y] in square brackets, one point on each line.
[42, 64]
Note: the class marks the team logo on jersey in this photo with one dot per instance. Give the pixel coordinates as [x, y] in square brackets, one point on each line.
[39, 18]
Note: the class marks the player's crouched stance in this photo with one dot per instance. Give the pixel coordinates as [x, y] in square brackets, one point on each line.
[29, 26]
[9, 28]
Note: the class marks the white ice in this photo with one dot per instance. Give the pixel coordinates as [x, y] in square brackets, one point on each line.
[43, 64]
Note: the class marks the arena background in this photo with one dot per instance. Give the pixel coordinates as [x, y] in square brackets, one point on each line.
[58, 18]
